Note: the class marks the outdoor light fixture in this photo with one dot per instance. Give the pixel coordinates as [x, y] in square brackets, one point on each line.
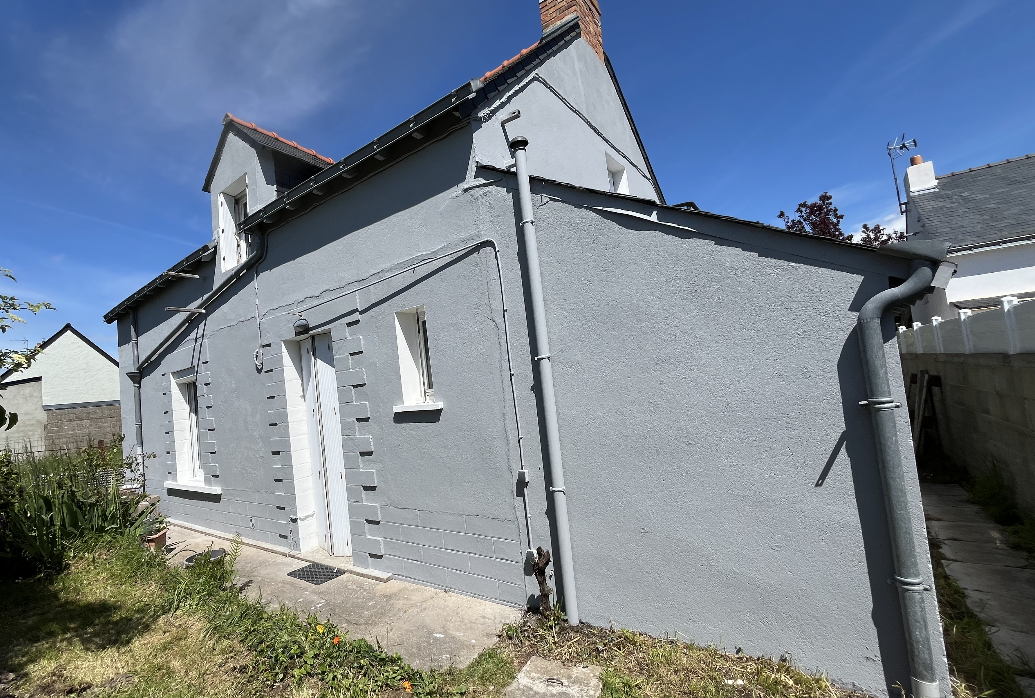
[301, 327]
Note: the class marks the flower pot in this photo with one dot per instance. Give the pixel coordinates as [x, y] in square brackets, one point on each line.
[156, 541]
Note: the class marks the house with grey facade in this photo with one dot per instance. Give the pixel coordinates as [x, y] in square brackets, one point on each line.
[66, 399]
[485, 332]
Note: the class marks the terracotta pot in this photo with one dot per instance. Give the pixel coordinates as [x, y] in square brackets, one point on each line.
[157, 541]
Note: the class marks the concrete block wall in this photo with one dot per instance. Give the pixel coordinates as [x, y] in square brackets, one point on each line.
[71, 428]
[985, 412]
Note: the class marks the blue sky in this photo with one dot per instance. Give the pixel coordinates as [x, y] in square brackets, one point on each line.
[111, 111]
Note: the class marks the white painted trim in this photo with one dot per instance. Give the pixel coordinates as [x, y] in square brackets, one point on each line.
[990, 247]
[192, 487]
[420, 407]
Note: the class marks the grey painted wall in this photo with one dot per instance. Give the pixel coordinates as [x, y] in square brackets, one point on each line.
[432, 497]
[722, 481]
[569, 150]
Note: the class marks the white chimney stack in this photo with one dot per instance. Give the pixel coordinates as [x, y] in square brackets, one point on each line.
[919, 176]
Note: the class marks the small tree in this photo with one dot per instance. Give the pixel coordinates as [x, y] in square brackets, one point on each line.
[822, 218]
[10, 358]
[816, 218]
[879, 236]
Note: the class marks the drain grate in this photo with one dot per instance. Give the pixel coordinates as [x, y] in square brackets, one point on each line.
[316, 573]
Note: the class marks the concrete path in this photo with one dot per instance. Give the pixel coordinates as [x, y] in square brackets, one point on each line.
[997, 580]
[428, 627]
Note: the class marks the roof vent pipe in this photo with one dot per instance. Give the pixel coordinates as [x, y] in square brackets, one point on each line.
[545, 370]
[912, 589]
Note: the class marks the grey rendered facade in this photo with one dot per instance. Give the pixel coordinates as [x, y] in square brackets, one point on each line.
[721, 478]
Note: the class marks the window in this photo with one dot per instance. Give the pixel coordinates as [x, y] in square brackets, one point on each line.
[185, 428]
[240, 213]
[418, 387]
[233, 209]
[617, 182]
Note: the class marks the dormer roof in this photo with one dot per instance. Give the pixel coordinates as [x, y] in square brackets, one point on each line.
[261, 136]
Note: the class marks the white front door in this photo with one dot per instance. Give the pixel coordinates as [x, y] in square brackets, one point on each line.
[321, 401]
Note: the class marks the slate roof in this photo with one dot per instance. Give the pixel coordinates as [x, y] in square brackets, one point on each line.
[263, 137]
[980, 206]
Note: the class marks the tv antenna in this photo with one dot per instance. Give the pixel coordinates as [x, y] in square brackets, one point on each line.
[896, 149]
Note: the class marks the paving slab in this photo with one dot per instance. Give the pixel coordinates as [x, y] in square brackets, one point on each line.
[983, 554]
[428, 627]
[943, 492]
[959, 513]
[977, 532]
[544, 677]
[1017, 648]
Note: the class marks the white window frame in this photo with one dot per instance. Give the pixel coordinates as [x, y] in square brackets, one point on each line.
[185, 432]
[415, 372]
[233, 207]
[617, 178]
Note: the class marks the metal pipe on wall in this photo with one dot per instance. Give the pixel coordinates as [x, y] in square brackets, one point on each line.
[518, 144]
[895, 480]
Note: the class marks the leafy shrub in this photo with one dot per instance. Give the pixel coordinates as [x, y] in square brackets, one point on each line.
[49, 503]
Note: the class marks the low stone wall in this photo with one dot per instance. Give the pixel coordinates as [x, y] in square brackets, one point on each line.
[985, 413]
[75, 427]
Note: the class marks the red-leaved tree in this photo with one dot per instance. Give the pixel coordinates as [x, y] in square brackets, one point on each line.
[822, 218]
[816, 218]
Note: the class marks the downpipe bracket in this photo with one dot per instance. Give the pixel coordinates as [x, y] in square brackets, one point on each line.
[880, 403]
[915, 586]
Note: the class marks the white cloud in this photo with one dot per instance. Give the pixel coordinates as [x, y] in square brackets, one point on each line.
[181, 62]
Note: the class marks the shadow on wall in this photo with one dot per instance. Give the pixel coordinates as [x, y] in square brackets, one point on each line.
[869, 497]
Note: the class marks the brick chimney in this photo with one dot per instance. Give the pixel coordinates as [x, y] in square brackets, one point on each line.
[553, 12]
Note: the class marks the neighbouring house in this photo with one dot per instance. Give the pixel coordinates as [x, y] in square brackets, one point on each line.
[485, 332]
[66, 399]
[987, 215]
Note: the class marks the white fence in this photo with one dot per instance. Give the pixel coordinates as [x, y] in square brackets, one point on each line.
[1009, 329]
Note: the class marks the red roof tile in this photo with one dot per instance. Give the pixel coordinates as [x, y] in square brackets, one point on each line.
[271, 134]
[506, 64]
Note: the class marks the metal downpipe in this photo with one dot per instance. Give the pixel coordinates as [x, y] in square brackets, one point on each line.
[895, 480]
[134, 376]
[542, 340]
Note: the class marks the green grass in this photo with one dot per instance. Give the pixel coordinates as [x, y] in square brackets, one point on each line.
[636, 665]
[119, 622]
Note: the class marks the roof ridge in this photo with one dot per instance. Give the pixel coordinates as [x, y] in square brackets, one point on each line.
[273, 134]
[985, 167]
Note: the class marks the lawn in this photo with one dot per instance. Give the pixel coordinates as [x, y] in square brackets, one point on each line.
[119, 622]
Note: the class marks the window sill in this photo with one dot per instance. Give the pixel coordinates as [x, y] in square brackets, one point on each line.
[422, 407]
[192, 487]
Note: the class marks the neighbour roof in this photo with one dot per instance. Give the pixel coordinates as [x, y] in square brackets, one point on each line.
[981, 205]
[267, 138]
[57, 335]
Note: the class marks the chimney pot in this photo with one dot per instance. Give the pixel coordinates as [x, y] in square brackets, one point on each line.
[916, 159]
[554, 12]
